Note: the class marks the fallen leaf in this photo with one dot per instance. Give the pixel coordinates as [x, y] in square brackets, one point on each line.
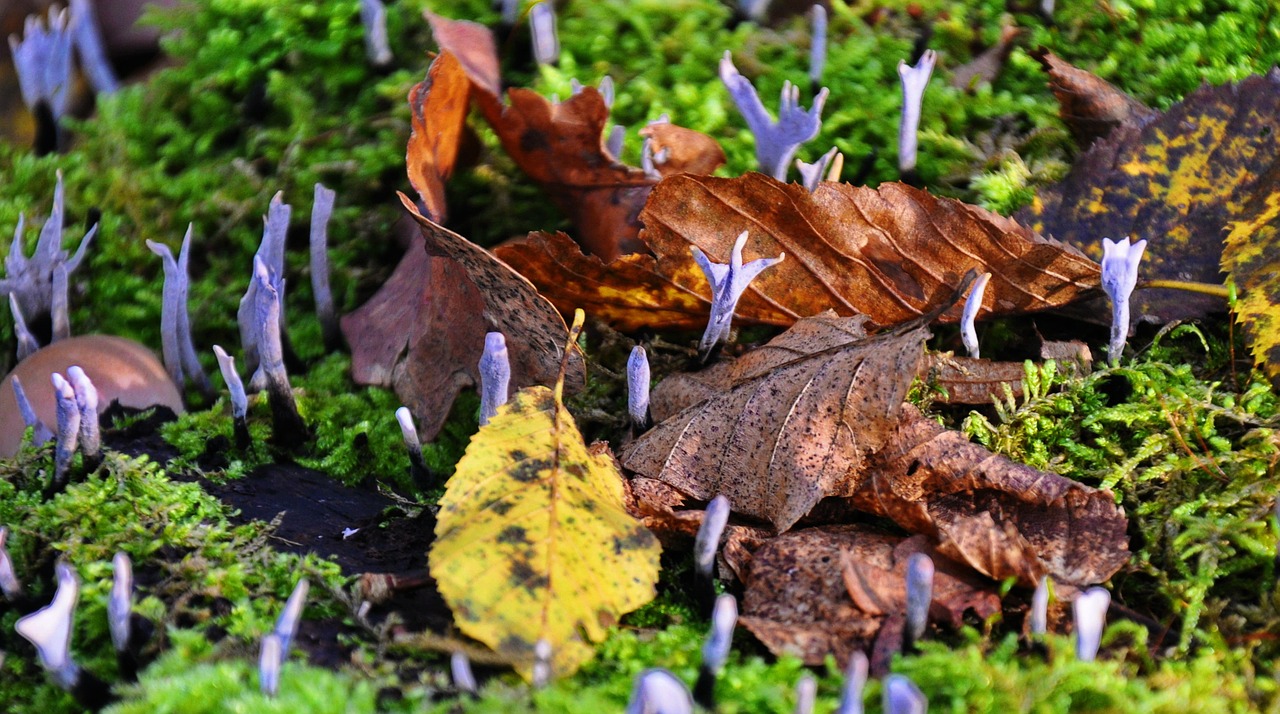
[423, 332]
[408, 336]
[439, 108]
[891, 253]
[559, 145]
[986, 67]
[686, 151]
[1089, 105]
[1252, 258]
[827, 590]
[472, 44]
[1003, 518]
[627, 293]
[1177, 181]
[965, 380]
[532, 540]
[778, 442]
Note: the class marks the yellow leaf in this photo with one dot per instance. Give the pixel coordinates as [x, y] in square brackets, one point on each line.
[533, 542]
[1252, 257]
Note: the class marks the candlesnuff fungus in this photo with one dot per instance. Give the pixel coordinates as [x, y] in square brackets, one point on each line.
[275, 226]
[972, 304]
[812, 174]
[658, 691]
[122, 370]
[614, 143]
[88, 42]
[638, 389]
[373, 15]
[1040, 608]
[705, 547]
[546, 42]
[817, 46]
[776, 142]
[321, 210]
[855, 680]
[1090, 611]
[287, 622]
[541, 674]
[87, 405]
[914, 80]
[49, 629]
[120, 601]
[270, 657]
[177, 346]
[1119, 277]
[463, 679]
[902, 696]
[715, 651]
[40, 433]
[728, 282]
[27, 343]
[421, 475]
[919, 596]
[605, 88]
[10, 586]
[42, 61]
[289, 429]
[239, 400]
[31, 280]
[68, 429]
[495, 376]
[806, 694]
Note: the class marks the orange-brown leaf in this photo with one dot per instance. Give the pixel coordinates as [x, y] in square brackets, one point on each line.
[687, 151]
[1090, 105]
[439, 108]
[473, 45]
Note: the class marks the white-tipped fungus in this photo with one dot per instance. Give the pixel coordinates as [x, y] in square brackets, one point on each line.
[919, 596]
[1090, 610]
[68, 433]
[495, 376]
[914, 81]
[463, 679]
[120, 602]
[902, 696]
[638, 388]
[87, 403]
[776, 142]
[855, 681]
[373, 15]
[728, 282]
[806, 694]
[10, 585]
[177, 345]
[1120, 261]
[658, 691]
[321, 211]
[49, 629]
[546, 42]
[972, 304]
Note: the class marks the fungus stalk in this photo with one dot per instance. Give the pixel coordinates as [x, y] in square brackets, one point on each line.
[10, 586]
[541, 675]
[68, 429]
[463, 679]
[36, 284]
[1090, 610]
[1039, 624]
[658, 691]
[972, 305]
[288, 427]
[919, 596]
[855, 680]
[728, 282]
[87, 404]
[715, 651]
[275, 226]
[129, 630]
[495, 376]
[87, 39]
[321, 210]
[902, 696]
[421, 475]
[806, 694]
[705, 547]
[776, 142]
[817, 47]
[914, 81]
[49, 629]
[373, 15]
[546, 43]
[177, 345]
[638, 378]
[40, 433]
[812, 174]
[42, 61]
[1119, 277]
[239, 400]
[27, 343]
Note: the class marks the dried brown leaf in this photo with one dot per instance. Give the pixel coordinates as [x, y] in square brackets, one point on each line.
[779, 441]
[1090, 105]
[439, 108]
[687, 151]
[1003, 518]
[965, 380]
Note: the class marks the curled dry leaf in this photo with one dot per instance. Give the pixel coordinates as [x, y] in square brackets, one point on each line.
[1178, 181]
[439, 108]
[686, 151]
[423, 332]
[891, 253]
[986, 67]
[781, 440]
[1003, 518]
[560, 145]
[966, 380]
[828, 590]
[1090, 105]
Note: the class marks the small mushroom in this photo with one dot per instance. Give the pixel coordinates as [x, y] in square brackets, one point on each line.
[705, 547]
[817, 46]
[806, 694]
[239, 400]
[541, 675]
[122, 371]
[546, 43]
[321, 211]
[1090, 610]
[776, 142]
[463, 679]
[10, 585]
[87, 38]
[495, 376]
[855, 680]
[68, 431]
[902, 696]
[177, 345]
[812, 174]
[638, 378]
[49, 629]
[1119, 277]
[919, 596]
[728, 282]
[1040, 608]
[289, 430]
[914, 81]
[972, 304]
[87, 405]
[658, 691]
[373, 15]
[715, 651]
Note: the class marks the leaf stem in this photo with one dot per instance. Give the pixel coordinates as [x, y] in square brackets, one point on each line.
[1203, 288]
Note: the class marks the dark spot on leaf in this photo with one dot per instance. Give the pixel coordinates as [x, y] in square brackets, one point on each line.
[534, 140]
[529, 471]
[513, 534]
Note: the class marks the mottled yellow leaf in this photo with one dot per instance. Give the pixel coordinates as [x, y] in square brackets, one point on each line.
[1252, 257]
[532, 541]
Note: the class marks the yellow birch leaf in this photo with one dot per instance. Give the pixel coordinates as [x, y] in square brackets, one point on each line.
[532, 540]
[1252, 257]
